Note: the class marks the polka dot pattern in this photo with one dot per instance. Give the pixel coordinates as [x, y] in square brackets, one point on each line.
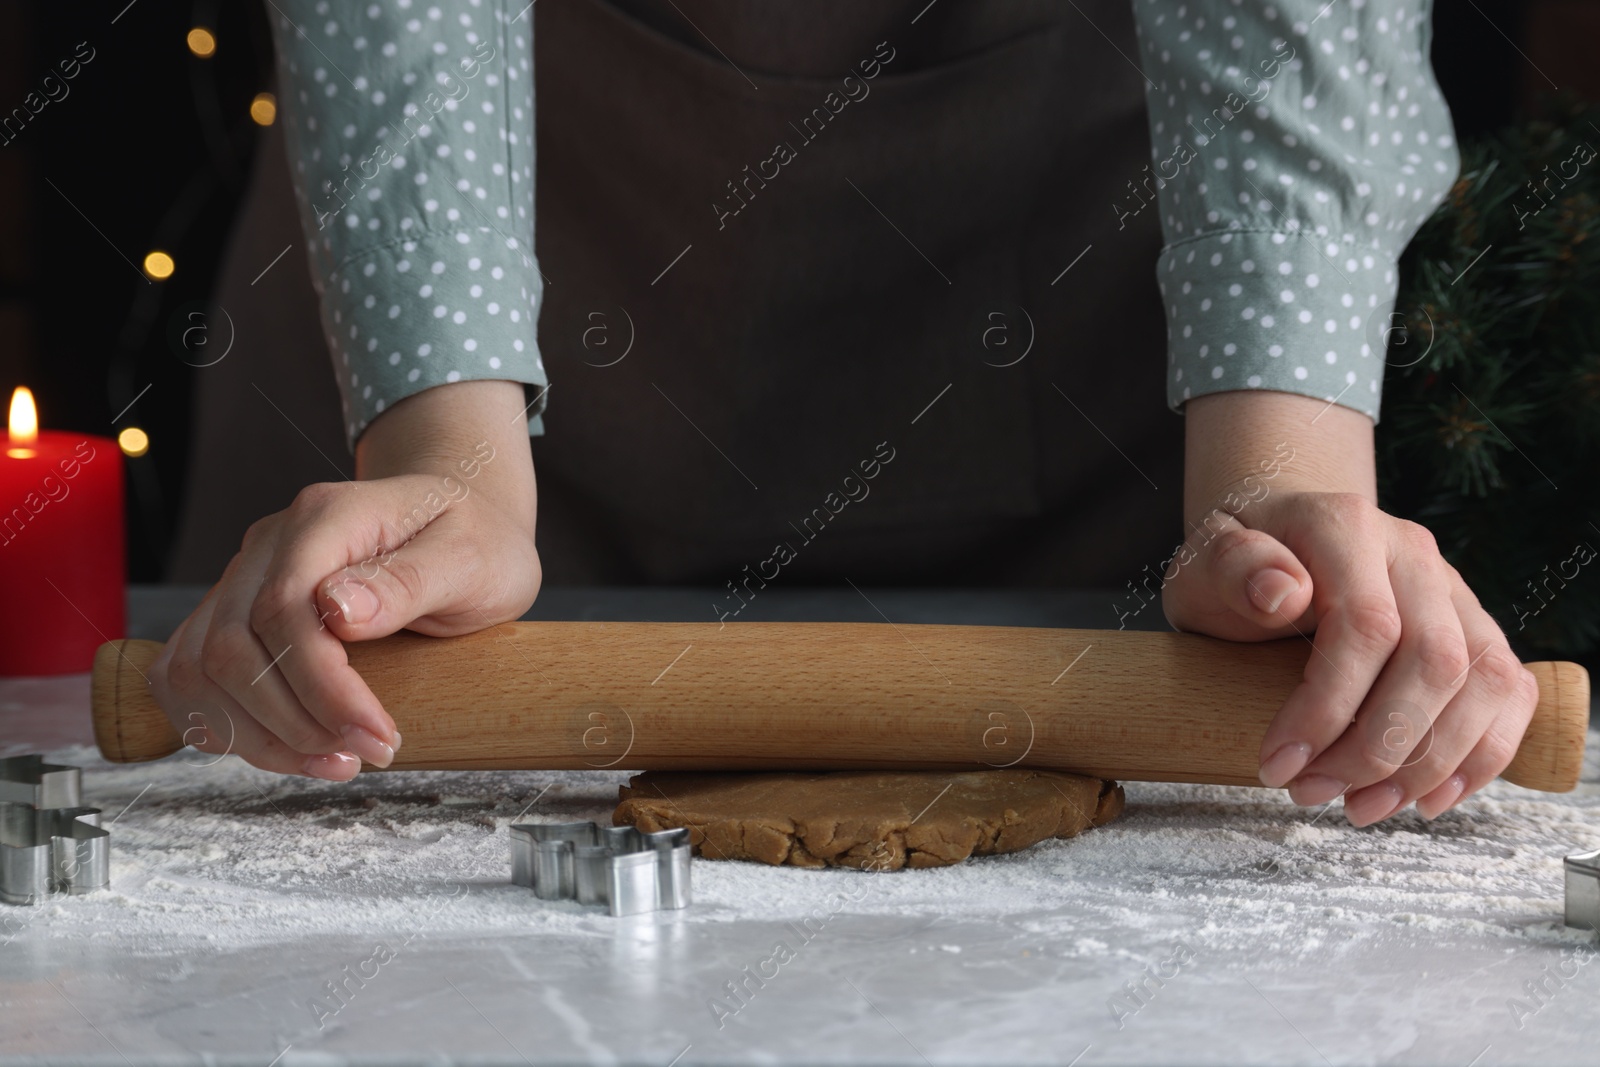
[1297, 146]
[410, 128]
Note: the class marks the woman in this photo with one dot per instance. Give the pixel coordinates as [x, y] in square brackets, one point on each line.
[782, 247]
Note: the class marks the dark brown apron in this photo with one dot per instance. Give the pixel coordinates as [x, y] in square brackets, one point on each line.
[932, 270]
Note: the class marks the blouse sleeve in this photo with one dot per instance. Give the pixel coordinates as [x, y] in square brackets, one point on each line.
[409, 127]
[1296, 148]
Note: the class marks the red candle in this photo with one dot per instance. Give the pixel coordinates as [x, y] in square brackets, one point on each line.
[62, 565]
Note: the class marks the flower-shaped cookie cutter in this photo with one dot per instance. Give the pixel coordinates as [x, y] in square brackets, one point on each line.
[49, 842]
[628, 871]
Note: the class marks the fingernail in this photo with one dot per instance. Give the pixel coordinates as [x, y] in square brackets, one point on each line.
[1284, 764]
[1373, 804]
[1442, 799]
[356, 602]
[1312, 789]
[1270, 587]
[335, 767]
[366, 744]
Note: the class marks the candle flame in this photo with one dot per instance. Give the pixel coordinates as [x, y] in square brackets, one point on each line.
[23, 424]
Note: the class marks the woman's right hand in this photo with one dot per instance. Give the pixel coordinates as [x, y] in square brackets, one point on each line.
[436, 538]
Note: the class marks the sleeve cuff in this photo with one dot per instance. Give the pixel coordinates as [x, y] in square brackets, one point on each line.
[1278, 310]
[444, 307]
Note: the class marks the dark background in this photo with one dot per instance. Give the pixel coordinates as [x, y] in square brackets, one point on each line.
[152, 147]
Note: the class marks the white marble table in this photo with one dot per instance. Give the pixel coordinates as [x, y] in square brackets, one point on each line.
[1253, 931]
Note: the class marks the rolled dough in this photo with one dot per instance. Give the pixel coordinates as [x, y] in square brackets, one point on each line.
[877, 819]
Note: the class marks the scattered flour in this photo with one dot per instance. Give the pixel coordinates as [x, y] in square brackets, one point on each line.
[224, 856]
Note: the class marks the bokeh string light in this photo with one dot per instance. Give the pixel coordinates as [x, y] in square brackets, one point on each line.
[133, 441]
[202, 42]
[264, 109]
[159, 265]
[228, 133]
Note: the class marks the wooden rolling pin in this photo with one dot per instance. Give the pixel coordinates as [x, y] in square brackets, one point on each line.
[775, 696]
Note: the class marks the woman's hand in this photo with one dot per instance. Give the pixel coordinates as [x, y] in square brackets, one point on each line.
[1410, 692]
[437, 537]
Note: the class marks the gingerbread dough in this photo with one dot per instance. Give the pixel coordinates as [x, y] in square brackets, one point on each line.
[872, 819]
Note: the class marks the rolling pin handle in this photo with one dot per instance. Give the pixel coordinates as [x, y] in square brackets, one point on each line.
[129, 726]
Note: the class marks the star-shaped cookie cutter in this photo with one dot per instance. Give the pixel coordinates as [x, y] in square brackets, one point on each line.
[627, 871]
[49, 842]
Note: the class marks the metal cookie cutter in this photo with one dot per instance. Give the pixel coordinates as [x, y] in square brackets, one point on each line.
[628, 871]
[48, 841]
[1583, 889]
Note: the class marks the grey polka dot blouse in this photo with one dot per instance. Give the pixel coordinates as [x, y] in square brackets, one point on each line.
[1296, 146]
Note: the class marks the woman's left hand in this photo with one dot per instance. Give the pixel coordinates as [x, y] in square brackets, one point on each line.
[1410, 692]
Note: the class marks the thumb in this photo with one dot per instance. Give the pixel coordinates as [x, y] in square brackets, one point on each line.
[393, 586]
[1245, 585]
